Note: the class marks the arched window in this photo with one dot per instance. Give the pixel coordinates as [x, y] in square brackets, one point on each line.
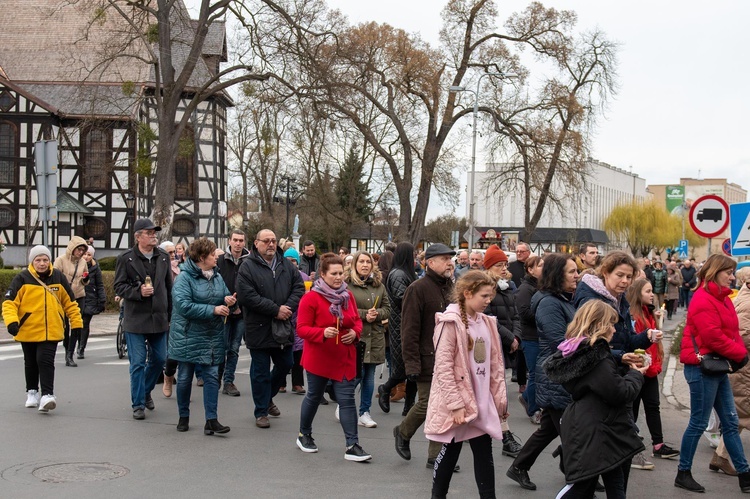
[8, 153]
[96, 156]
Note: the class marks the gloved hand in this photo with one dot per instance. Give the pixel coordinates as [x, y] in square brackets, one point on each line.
[412, 377]
[13, 328]
[77, 331]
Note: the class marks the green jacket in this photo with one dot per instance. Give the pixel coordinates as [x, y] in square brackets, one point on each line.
[373, 333]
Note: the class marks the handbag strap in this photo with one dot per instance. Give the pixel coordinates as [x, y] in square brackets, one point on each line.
[47, 288]
[695, 345]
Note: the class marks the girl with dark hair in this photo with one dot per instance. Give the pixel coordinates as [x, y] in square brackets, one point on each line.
[553, 309]
[641, 297]
[401, 275]
[468, 396]
[328, 321]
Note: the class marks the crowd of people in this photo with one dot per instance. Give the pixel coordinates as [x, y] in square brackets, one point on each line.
[581, 333]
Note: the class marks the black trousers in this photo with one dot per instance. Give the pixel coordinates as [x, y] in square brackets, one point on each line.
[84, 339]
[521, 369]
[39, 365]
[535, 445]
[650, 396]
[298, 373]
[70, 339]
[484, 467]
[615, 481]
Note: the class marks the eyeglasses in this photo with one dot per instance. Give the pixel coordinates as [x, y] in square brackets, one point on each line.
[523, 251]
[501, 264]
[268, 240]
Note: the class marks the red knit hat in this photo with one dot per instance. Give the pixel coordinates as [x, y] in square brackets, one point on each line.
[494, 255]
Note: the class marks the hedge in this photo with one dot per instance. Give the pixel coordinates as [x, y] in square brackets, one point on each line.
[108, 276]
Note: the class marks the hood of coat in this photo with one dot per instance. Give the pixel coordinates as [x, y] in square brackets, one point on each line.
[192, 269]
[75, 242]
[742, 301]
[561, 369]
[452, 314]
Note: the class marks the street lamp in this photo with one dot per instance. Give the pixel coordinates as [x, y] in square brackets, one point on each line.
[370, 221]
[130, 204]
[457, 88]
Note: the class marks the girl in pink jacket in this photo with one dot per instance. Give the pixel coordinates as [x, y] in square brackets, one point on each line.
[468, 394]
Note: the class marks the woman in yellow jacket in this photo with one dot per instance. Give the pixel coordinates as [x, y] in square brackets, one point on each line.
[34, 310]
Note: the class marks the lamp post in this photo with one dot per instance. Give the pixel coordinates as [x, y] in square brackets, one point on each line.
[130, 204]
[370, 220]
[456, 88]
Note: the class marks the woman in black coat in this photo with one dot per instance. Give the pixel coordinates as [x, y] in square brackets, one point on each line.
[401, 275]
[96, 298]
[529, 334]
[597, 430]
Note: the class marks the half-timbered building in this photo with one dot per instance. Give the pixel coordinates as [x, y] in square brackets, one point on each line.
[55, 83]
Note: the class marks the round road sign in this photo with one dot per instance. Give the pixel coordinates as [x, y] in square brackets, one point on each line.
[726, 247]
[709, 216]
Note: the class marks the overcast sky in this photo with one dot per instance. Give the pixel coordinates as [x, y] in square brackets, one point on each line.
[682, 108]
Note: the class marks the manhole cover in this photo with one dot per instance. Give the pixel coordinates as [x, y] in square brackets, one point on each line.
[79, 472]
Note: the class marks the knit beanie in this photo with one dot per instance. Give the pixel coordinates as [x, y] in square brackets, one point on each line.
[39, 250]
[292, 253]
[494, 255]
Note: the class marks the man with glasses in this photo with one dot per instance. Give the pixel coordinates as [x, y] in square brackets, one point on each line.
[269, 289]
[143, 280]
[518, 268]
[228, 265]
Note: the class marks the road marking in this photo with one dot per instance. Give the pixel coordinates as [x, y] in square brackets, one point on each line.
[19, 355]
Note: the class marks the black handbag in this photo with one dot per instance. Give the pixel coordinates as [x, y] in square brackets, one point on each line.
[713, 364]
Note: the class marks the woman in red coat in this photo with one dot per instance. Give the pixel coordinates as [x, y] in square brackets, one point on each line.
[712, 322]
[329, 323]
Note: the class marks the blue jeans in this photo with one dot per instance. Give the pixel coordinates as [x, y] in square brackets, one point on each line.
[185, 387]
[233, 331]
[143, 377]
[368, 387]
[531, 352]
[685, 296]
[708, 392]
[344, 391]
[265, 382]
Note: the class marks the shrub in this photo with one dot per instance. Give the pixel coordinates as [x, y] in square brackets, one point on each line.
[5, 277]
[107, 263]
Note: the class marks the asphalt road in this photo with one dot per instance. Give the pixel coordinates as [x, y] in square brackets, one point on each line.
[91, 447]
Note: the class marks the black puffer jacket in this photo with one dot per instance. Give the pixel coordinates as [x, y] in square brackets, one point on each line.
[395, 286]
[553, 314]
[261, 291]
[597, 429]
[523, 296]
[503, 308]
[96, 298]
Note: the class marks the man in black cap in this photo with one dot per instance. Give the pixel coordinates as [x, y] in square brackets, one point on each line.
[143, 281]
[423, 298]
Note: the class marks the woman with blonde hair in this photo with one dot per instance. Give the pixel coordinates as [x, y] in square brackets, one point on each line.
[468, 396]
[712, 327]
[596, 429]
[365, 283]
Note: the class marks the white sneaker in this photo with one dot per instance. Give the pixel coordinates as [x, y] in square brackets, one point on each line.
[366, 421]
[639, 462]
[32, 398]
[336, 414]
[47, 403]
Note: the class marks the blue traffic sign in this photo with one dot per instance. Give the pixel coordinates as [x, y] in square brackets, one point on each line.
[739, 228]
[682, 249]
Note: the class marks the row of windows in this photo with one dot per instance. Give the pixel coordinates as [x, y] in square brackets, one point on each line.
[97, 159]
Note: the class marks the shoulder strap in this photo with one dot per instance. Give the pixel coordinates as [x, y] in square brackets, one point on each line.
[47, 288]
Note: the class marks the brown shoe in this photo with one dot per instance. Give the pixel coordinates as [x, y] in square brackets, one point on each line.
[273, 410]
[262, 422]
[166, 388]
[718, 463]
[299, 390]
[398, 392]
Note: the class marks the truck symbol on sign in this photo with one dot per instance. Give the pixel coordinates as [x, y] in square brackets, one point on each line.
[714, 214]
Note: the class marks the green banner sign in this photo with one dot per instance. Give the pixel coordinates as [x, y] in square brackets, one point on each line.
[675, 198]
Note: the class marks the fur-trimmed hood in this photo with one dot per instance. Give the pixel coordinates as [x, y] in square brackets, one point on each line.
[561, 369]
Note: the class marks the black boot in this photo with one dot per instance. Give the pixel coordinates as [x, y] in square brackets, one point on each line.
[744, 481]
[685, 480]
[82, 342]
[69, 359]
[511, 446]
[183, 424]
[213, 426]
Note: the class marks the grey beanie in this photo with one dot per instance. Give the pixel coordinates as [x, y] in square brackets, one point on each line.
[39, 250]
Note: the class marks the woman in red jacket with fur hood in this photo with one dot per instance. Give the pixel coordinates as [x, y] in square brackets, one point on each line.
[713, 326]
